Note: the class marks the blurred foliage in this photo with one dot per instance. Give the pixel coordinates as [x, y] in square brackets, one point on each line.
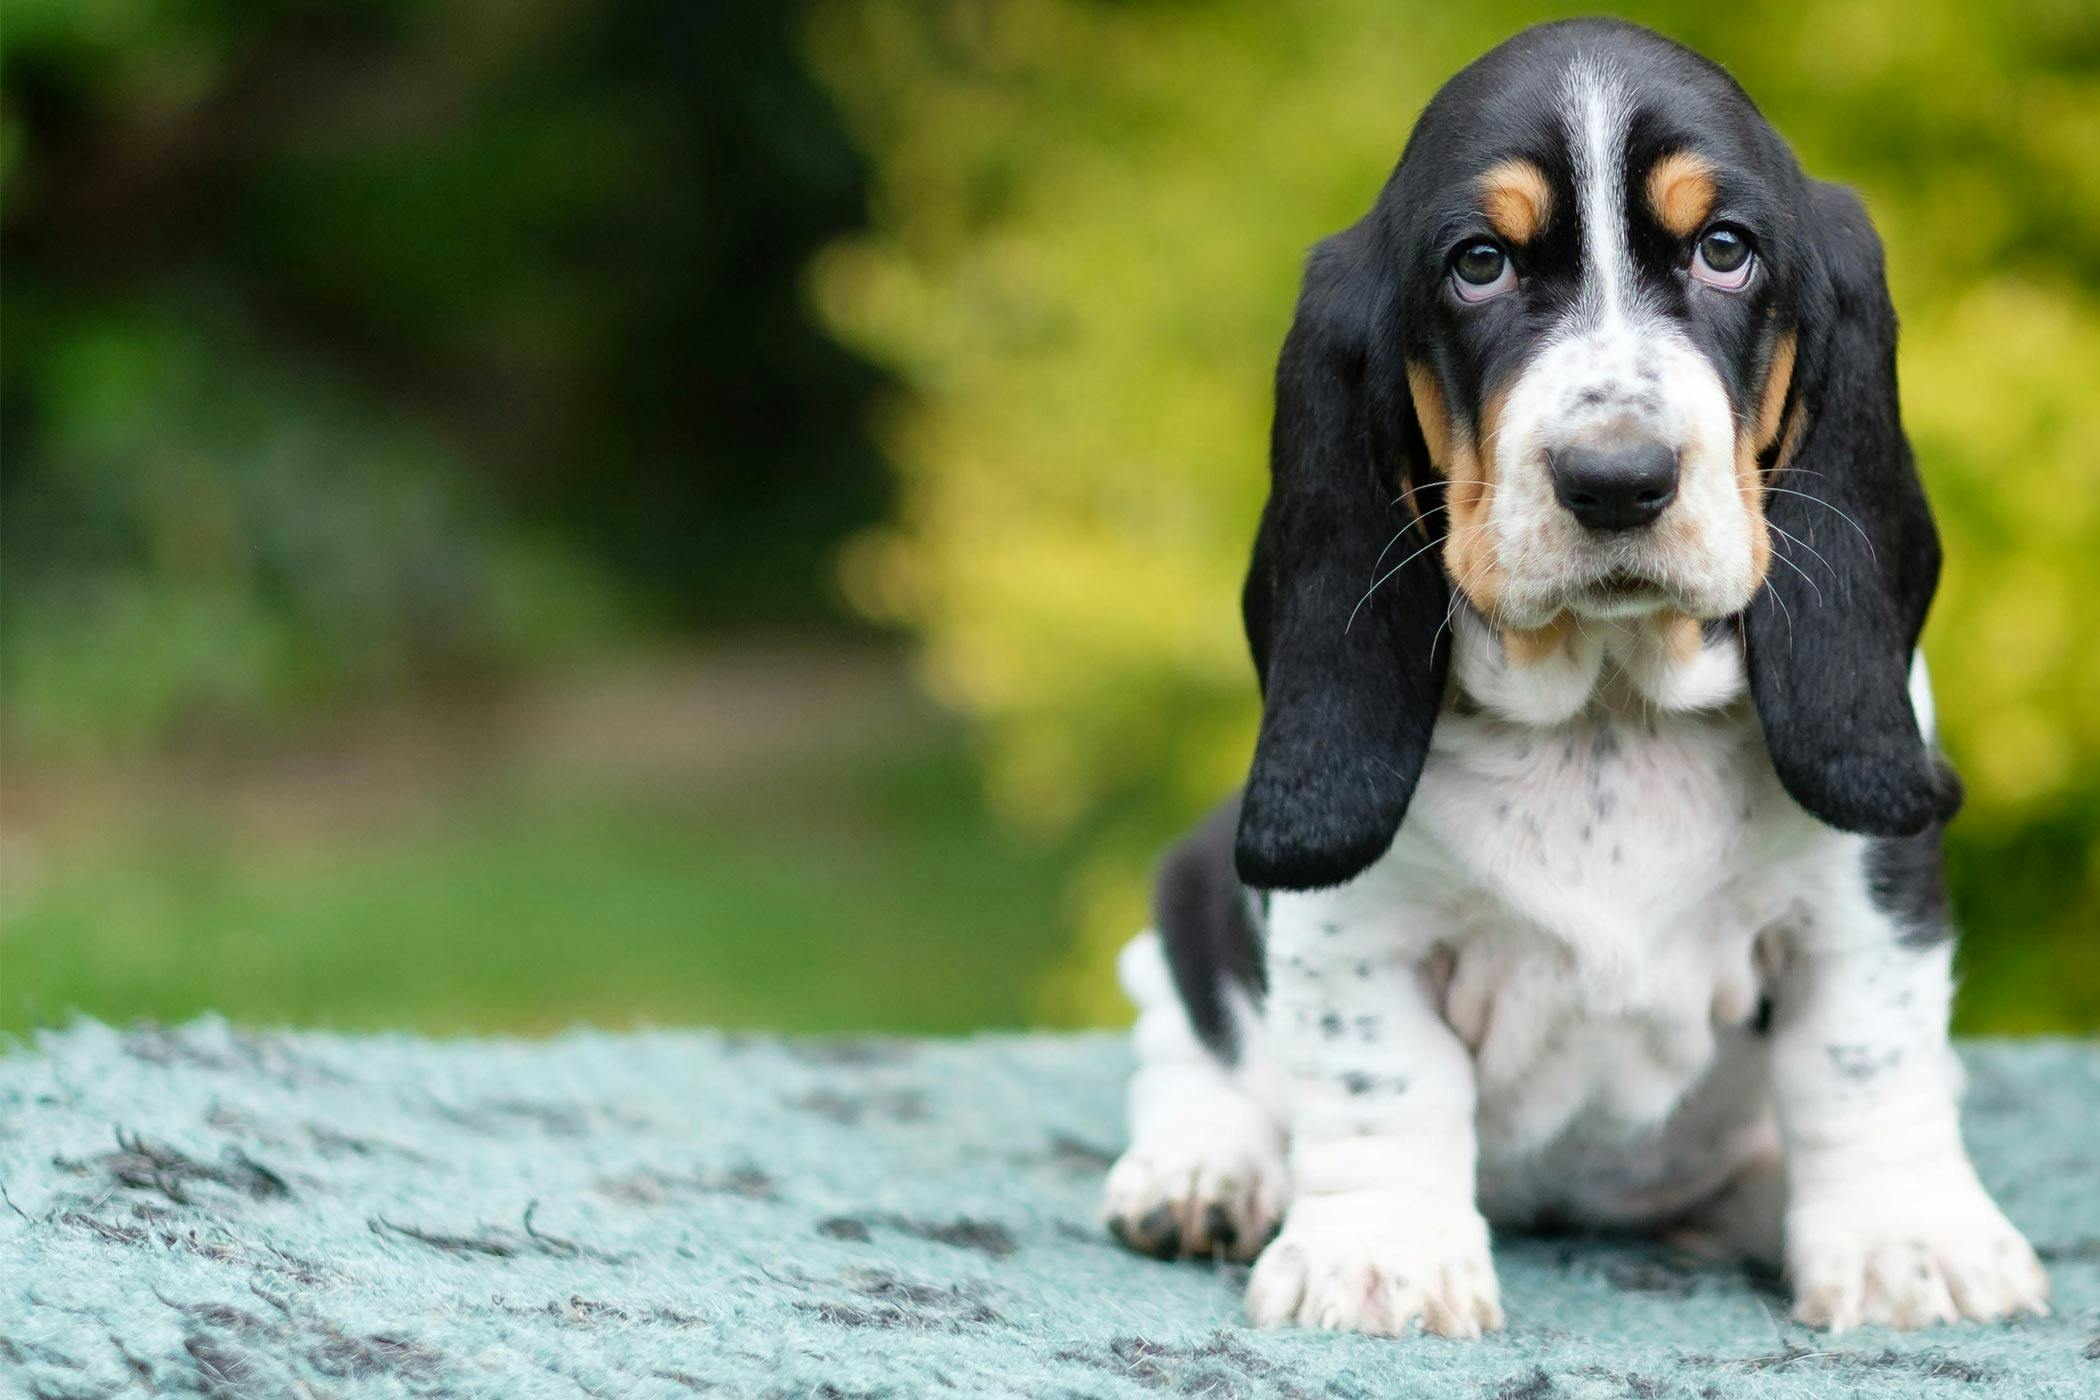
[351, 345]
[1090, 219]
[855, 891]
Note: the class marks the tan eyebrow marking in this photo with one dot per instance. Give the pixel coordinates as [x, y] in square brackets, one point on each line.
[1516, 199]
[1681, 191]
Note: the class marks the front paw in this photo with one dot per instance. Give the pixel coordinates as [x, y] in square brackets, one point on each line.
[1199, 1195]
[1908, 1254]
[1377, 1262]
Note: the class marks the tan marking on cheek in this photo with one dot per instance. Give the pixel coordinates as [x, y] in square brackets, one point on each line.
[1516, 199]
[1796, 421]
[1530, 646]
[1750, 487]
[1429, 413]
[1469, 552]
[1436, 440]
[1778, 379]
[1681, 192]
[1779, 376]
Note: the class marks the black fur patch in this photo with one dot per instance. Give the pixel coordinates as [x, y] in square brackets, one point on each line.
[1207, 927]
[1907, 877]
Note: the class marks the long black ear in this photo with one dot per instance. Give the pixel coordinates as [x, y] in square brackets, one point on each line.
[1830, 643]
[1350, 683]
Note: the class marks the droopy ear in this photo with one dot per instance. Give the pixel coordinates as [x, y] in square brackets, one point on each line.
[1830, 644]
[1351, 674]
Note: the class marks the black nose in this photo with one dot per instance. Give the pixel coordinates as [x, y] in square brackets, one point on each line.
[1614, 488]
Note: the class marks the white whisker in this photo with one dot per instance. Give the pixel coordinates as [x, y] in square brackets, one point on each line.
[1840, 514]
[1382, 578]
[1403, 532]
[1794, 539]
[1781, 557]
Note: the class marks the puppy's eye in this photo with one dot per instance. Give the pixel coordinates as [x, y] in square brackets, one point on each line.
[1481, 270]
[1722, 258]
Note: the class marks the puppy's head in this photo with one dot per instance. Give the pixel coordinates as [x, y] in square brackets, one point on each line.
[1598, 351]
[1593, 235]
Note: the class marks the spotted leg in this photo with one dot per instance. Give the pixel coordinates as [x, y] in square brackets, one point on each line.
[1886, 1221]
[1383, 1233]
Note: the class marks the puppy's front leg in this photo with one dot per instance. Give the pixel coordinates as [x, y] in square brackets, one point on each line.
[1886, 1221]
[1382, 1232]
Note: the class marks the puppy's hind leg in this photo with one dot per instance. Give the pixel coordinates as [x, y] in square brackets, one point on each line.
[1204, 1174]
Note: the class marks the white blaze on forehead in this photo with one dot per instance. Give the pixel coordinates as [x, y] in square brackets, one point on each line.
[1598, 107]
[1616, 369]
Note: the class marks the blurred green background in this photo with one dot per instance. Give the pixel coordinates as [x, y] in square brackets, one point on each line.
[524, 511]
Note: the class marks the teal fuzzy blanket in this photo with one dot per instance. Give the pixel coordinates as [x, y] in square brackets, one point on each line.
[211, 1211]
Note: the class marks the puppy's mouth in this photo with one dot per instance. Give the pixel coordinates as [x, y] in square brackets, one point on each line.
[1620, 593]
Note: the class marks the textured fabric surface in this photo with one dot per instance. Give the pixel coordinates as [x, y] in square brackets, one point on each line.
[219, 1212]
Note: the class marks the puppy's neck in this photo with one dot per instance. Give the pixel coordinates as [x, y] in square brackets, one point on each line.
[1665, 661]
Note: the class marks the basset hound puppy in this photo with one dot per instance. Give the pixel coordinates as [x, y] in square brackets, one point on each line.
[1588, 871]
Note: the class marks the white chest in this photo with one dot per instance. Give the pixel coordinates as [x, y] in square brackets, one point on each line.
[1598, 886]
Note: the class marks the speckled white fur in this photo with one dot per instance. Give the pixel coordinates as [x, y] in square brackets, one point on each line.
[1537, 1006]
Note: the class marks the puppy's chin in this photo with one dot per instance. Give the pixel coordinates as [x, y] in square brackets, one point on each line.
[1618, 595]
[1622, 597]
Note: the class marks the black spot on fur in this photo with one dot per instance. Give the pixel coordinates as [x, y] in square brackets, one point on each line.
[1860, 1063]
